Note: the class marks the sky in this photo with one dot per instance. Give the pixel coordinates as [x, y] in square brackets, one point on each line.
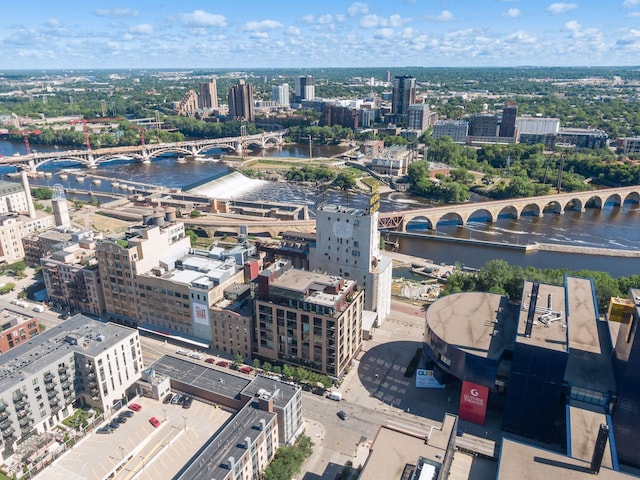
[244, 34]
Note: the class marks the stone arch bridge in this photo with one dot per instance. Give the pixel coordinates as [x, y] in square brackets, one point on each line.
[513, 208]
[92, 158]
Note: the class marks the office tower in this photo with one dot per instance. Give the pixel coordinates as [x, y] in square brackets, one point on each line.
[483, 125]
[404, 94]
[60, 208]
[348, 245]
[208, 97]
[241, 101]
[508, 124]
[188, 105]
[388, 79]
[305, 88]
[456, 129]
[280, 94]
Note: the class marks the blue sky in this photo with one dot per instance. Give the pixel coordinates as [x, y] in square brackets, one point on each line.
[329, 33]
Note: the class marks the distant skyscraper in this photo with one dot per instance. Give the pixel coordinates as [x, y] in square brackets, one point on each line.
[418, 117]
[241, 101]
[388, 76]
[280, 94]
[305, 88]
[208, 97]
[404, 94]
[508, 124]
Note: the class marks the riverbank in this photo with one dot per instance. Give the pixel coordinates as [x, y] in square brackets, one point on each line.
[531, 247]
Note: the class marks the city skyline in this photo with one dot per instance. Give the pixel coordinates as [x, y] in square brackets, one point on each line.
[252, 34]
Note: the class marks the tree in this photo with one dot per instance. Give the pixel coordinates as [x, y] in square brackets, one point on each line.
[237, 360]
[256, 363]
[8, 287]
[193, 236]
[195, 213]
[344, 181]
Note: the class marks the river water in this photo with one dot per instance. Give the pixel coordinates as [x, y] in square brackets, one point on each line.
[612, 227]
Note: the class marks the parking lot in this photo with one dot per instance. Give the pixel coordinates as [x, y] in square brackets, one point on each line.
[138, 450]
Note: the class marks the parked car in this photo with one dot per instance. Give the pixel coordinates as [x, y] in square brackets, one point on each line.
[222, 363]
[176, 399]
[135, 407]
[210, 360]
[155, 422]
[114, 423]
[105, 429]
[187, 402]
[121, 419]
[126, 413]
[245, 369]
[343, 415]
[196, 355]
[167, 398]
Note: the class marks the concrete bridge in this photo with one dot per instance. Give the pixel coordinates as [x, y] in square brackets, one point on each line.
[92, 158]
[513, 208]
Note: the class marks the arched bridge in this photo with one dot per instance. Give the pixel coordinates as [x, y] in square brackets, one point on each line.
[91, 158]
[514, 208]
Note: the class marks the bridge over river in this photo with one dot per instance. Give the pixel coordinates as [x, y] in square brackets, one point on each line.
[512, 208]
[144, 153]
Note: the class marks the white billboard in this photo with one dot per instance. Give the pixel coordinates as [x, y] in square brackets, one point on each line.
[425, 379]
[200, 314]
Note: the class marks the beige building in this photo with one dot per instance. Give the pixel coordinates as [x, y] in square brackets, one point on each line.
[232, 320]
[188, 105]
[122, 260]
[14, 227]
[308, 319]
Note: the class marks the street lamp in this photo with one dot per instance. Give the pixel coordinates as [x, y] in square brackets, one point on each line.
[164, 410]
[185, 421]
[122, 452]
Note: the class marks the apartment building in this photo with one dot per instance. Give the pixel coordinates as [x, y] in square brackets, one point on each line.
[16, 328]
[72, 278]
[309, 319]
[121, 260]
[82, 360]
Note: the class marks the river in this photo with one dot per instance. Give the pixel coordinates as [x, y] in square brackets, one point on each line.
[612, 227]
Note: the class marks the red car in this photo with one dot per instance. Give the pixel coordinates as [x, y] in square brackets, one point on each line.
[245, 369]
[222, 363]
[155, 422]
[210, 360]
[135, 407]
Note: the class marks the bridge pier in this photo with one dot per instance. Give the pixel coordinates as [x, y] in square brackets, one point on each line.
[239, 147]
[91, 161]
[145, 157]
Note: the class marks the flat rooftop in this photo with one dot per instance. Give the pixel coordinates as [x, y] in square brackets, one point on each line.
[550, 302]
[589, 365]
[526, 462]
[52, 346]
[584, 425]
[393, 449]
[201, 376]
[475, 322]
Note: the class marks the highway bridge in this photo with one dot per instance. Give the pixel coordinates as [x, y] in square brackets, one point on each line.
[144, 153]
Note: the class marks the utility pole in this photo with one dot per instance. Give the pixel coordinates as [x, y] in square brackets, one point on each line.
[560, 173]
[310, 153]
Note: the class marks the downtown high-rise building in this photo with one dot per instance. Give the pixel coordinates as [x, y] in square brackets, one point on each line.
[208, 96]
[280, 94]
[241, 101]
[305, 88]
[508, 123]
[404, 94]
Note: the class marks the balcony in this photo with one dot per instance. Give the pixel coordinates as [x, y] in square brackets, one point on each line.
[63, 377]
[3, 406]
[8, 432]
[25, 422]
[4, 416]
[62, 369]
[92, 384]
[54, 402]
[66, 385]
[20, 405]
[17, 397]
[23, 413]
[94, 391]
[52, 394]
[4, 425]
[50, 387]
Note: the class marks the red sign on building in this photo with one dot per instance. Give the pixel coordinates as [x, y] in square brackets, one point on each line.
[473, 402]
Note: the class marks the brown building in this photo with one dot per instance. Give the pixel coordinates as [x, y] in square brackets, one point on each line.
[16, 329]
[208, 97]
[241, 101]
[337, 115]
[308, 319]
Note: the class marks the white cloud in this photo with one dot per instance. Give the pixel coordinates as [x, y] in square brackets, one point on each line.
[295, 31]
[630, 3]
[308, 18]
[558, 8]
[200, 18]
[259, 35]
[263, 25]
[521, 37]
[512, 13]
[142, 28]
[383, 33]
[325, 19]
[117, 12]
[358, 8]
[633, 14]
[53, 23]
[443, 16]
[375, 21]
